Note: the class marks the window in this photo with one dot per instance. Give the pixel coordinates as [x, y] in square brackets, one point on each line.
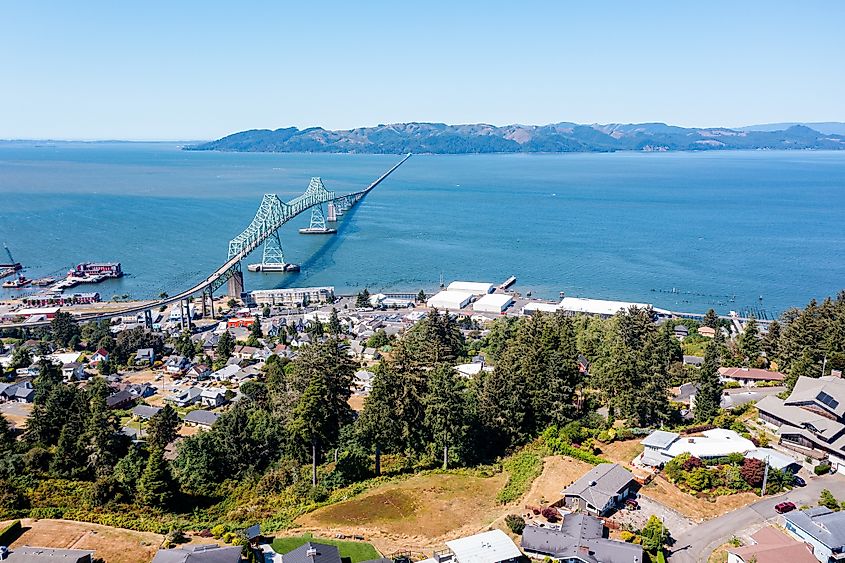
[826, 399]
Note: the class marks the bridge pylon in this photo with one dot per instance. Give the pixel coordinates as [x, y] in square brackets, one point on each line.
[235, 284]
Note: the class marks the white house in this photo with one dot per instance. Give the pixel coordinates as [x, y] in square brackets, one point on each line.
[661, 446]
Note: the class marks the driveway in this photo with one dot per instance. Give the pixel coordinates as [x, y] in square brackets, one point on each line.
[270, 556]
[672, 519]
[696, 544]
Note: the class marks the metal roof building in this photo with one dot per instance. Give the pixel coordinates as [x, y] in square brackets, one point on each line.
[476, 288]
[450, 299]
[492, 303]
[487, 547]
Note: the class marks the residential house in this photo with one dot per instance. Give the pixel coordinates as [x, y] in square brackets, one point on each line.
[101, 355]
[776, 459]
[821, 528]
[177, 365]
[312, 552]
[74, 371]
[198, 372]
[599, 490]
[707, 331]
[21, 392]
[493, 546]
[201, 418]
[208, 553]
[213, 397]
[371, 354]
[226, 373]
[185, 398]
[662, 446]
[363, 382]
[750, 376]
[140, 390]
[119, 400]
[144, 412]
[145, 356]
[770, 545]
[694, 361]
[811, 421]
[27, 554]
[680, 331]
[580, 538]
[29, 371]
[245, 352]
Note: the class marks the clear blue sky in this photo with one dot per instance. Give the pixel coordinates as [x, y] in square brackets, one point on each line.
[198, 70]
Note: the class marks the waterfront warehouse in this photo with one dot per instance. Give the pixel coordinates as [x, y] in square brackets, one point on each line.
[493, 303]
[450, 299]
[476, 288]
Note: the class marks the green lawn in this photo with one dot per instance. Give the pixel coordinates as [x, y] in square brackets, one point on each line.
[356, 551]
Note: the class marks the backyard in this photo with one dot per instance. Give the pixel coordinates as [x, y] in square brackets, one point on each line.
[355, 551]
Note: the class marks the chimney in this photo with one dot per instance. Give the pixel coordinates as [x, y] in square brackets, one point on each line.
[311, 552]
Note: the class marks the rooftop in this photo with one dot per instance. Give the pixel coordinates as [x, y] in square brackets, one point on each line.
[600, 484]
[715, 443]
[660, 439]
[773, 546]
[486, 547]
[822, 523]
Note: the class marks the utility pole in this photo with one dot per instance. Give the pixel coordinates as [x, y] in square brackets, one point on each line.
[765, 477]
[824, 364]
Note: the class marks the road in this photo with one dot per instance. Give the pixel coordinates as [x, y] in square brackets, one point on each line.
[696, 545]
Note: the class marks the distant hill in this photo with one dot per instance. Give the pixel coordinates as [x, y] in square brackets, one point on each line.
[826, 127]
[439, 138]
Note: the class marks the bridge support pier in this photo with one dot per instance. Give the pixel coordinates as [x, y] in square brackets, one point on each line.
[148, 319]
[189, 321]
[204, 309]
[235, 285]
[211, 301]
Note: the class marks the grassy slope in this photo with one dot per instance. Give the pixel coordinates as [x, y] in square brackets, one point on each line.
[356, 551]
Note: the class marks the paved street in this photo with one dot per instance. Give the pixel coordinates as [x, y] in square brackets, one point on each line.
[696, 544]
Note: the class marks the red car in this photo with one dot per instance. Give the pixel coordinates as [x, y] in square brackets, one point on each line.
[784, 507]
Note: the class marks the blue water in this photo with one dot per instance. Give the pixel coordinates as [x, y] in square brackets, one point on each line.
[721, 229]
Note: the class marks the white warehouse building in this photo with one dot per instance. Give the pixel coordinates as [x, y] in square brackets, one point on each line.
[476, 288]
[450, 299]
[492, 303]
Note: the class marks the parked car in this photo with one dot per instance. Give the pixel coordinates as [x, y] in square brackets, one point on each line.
[631, 504]
[798, 481]
[784, 507]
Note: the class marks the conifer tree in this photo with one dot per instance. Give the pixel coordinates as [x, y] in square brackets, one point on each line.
[155, 487]
[162, 428]
[710, 388]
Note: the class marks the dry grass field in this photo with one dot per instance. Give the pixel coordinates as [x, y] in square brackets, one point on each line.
[113, 545]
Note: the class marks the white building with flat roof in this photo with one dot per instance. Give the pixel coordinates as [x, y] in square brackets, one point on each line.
[538, 307]
[476, 288]
[597, 307]
[450, 299]
[492, 303]
[292, 296]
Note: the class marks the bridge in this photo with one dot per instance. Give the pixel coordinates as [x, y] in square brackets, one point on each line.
[271, 215]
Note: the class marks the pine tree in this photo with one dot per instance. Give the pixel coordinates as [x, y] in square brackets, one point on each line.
[162, 428]
[748, 343]
[711, 319]
[225, 347]
[7, 438]
[104, 443]
[421, 297]
[155, 487]
[710, 387]
[334, 323]
[447, 413]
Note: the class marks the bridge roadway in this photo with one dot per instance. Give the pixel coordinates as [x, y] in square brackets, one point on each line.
[223, 272]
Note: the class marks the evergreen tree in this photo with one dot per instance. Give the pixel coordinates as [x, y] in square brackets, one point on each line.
[711, 319]
[381, 426]
[255, 329]
[104, 442]
[7, 438]
[69, 459]
[225, 347]
[130, 468]
[334, 323]
[184, 346]
[21, 358]
[64, 328]
[421, 297]
[710, 387]
[748, 343]
[155, 486]
[448, 413]
[362, 300]
[771, 342]
[435, 339]
[162, 428]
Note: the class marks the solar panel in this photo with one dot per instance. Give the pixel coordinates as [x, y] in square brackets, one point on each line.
[826, 399]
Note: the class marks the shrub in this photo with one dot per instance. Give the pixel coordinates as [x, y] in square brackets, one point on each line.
[627, 536]
[732, 385]
[515, 523]
[752, 471]
[522, 469]
[827, 500]
[551, 514]
[698, 479]
[822, 469]
[218, 531]
[691, 463]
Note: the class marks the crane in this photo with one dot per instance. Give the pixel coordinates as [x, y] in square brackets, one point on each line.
[9, 254]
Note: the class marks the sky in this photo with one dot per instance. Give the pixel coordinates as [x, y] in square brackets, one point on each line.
[190, 70]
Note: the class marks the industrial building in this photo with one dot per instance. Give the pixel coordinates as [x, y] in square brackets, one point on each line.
[291, 296]
[450, 299]
[476, 288]
[492, 303]
[583, 306]
[60, 299]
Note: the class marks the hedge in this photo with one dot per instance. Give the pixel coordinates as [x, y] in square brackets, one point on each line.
[10, 533]
[561, 447]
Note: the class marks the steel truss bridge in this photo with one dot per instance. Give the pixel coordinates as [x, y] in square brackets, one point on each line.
[271, 215]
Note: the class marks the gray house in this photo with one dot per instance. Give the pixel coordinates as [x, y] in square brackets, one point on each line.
[26, 554]
[209, 553]
[203, 418]
[599, 490]
[312, 552]
[580, 538]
